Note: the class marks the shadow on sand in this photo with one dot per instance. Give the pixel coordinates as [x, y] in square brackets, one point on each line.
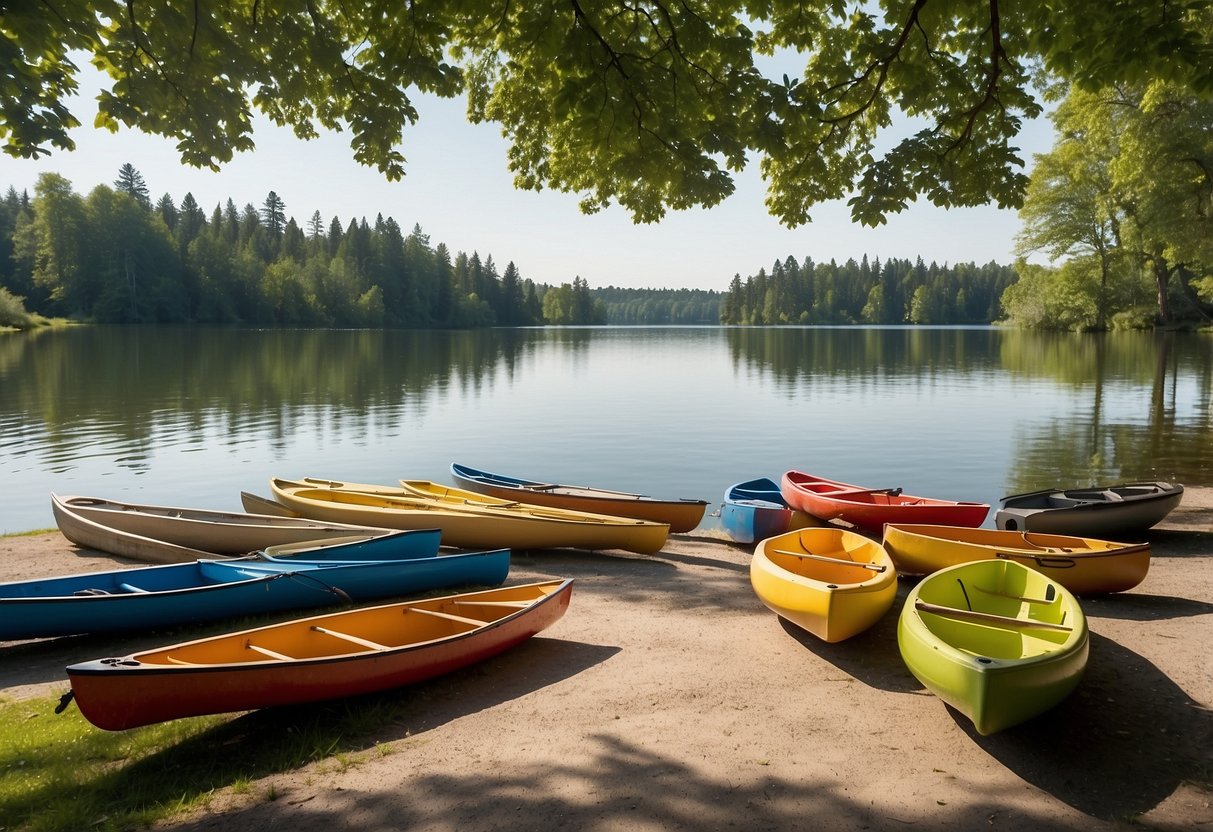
[1098, 751]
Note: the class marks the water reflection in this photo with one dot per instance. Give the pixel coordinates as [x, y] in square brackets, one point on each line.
[194, 415]
[1141, 403]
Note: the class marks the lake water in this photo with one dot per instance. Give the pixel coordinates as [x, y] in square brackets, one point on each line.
[191, 417]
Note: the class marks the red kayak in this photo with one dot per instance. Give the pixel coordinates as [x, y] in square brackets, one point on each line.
[871, 508]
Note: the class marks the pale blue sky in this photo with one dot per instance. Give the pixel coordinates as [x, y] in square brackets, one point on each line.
[458, 189]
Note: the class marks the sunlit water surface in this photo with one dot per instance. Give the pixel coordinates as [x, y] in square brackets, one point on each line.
[191, 417]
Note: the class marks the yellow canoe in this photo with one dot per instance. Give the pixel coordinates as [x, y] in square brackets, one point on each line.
[833, 583]
[1082, 565]
[468, 525]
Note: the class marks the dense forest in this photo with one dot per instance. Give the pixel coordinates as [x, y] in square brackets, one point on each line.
[655, 307]
[117, 257]
[892, 292]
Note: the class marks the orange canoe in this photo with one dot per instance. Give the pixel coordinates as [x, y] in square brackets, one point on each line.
[313, 659]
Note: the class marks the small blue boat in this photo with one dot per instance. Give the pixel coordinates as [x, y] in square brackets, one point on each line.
[205, 590]
[755, 510]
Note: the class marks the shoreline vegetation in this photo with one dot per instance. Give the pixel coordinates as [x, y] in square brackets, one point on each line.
[116, 257]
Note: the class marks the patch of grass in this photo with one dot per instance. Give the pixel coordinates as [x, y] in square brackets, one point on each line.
[59, 773]
[29, 533]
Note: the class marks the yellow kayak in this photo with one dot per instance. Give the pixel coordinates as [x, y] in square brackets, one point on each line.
[467, 525]
[833, 583]
[997, 641]
[1082, 565]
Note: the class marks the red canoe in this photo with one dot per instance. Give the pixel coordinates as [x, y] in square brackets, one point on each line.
[311, 659]
[871, 508]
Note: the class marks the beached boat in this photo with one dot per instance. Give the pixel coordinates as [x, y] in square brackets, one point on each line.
[478, 525]
[832, 582]
[1126, 510]
[166, 534]
[205, 590]
[871, 508]
[256, 504]
[1083, 565]
[313, 659]
[997, 641]
[682, 515]
[755, 510]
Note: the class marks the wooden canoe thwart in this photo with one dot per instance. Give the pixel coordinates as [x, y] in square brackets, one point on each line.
[999, 642]
[870, 508]
[314, 659]
[1083, 565]
[1126, 510]
[682, 515]
[831, 582]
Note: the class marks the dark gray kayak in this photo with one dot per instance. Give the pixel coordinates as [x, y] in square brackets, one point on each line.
[1107, 512]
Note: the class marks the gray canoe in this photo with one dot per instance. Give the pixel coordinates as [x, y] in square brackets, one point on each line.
[1109, 512]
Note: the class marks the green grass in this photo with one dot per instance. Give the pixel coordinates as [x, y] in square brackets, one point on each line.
[29, 533]
[58, 772]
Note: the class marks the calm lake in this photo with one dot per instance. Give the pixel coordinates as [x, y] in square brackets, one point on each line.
[190, 417]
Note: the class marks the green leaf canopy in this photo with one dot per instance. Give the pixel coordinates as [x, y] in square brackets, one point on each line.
[653, 105]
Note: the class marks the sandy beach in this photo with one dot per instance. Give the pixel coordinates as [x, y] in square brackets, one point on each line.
[669, 697]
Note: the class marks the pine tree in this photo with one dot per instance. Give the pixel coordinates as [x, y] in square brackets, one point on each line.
[130, 181]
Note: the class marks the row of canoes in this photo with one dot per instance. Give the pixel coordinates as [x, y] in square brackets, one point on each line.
[849, 582]
[994, 628]
[313, 542]
[758, 508]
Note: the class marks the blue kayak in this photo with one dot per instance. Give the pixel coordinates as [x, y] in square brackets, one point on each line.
[205, 590]
[755, 510]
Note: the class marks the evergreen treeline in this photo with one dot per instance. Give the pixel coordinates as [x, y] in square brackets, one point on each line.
[117, 257]
[629, 307]
[892, 292]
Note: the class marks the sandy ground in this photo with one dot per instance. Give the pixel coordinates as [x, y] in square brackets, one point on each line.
[669, 698]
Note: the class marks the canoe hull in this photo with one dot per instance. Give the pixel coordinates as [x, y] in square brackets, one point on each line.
[163, 596]
[870, 509]
[1083, 565]
[1127, 510]
[165, 534]
[681, 515]
[117, 694]
[997, 676]
[755, 510]
[832, 601]
[518, 527]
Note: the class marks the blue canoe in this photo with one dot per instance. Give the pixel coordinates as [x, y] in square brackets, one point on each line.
[205, 590]
[394, 545]
[755, 510]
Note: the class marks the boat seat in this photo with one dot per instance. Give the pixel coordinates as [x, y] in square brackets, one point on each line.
[132, 588]
[91, 592]
[265, 651]
[362, 642]
[474, 622]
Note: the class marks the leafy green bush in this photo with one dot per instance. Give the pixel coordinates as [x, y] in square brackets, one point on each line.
[1138, 317]
[12, 310]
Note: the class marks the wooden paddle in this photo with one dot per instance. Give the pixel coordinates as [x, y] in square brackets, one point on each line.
[824, 559]
[989, 617]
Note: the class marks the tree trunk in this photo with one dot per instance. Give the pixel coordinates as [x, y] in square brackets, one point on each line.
[1162, 276]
